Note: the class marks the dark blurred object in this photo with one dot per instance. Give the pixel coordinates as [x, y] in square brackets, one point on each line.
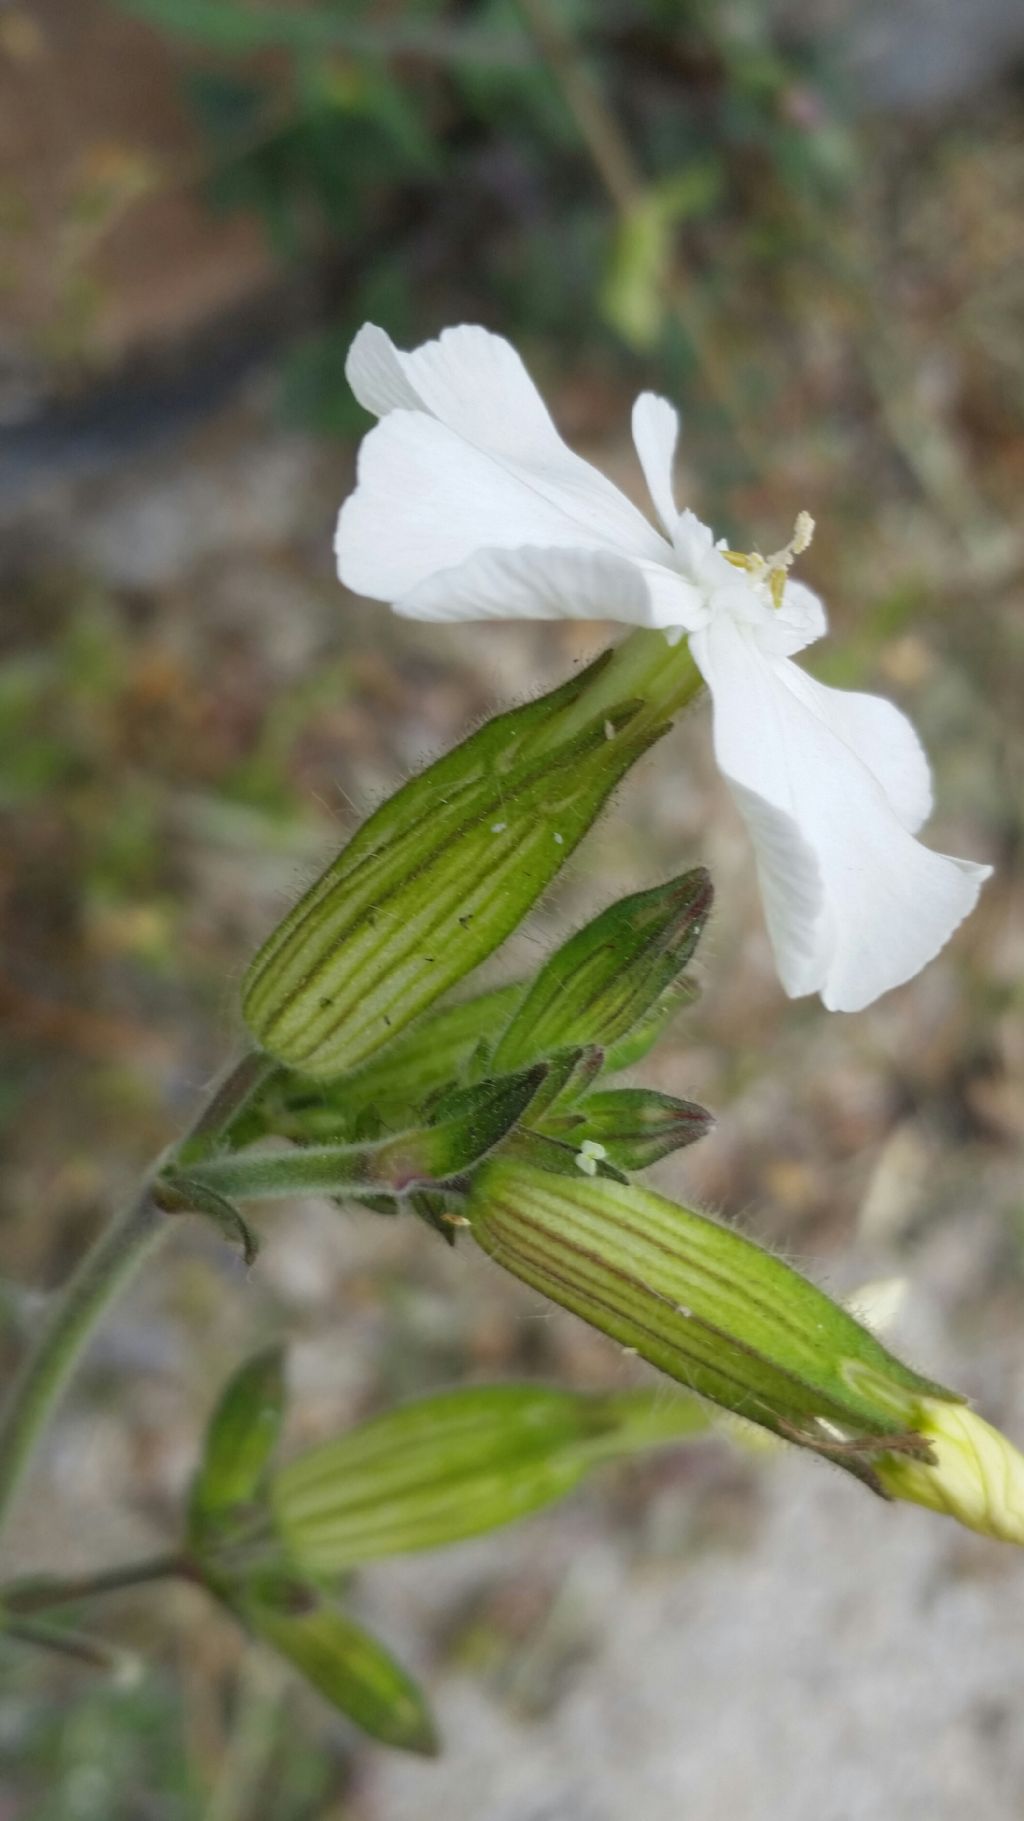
[421, 159]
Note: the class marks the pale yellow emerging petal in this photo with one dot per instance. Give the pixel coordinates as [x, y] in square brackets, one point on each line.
[978, 1476]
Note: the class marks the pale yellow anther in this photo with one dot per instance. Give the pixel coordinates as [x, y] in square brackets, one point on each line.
[779, 564]
[773, 569]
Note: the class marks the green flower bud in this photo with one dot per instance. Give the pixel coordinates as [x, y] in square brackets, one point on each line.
[638, 1042]
[703, 1303]
[634, 1127]
[607, 978]
[452, 1466]
[437, 878]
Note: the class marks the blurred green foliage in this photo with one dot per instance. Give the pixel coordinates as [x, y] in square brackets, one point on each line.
[105, 1748]
[94, 1755]
[453, 159]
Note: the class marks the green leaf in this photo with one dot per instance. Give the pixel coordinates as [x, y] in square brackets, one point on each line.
[701, 1302]
[451, 1466]
[433, 883]
[348, 1666]
[601, 983]
[239, 1442]
[423, 1157]
[180, 1191]
[634, 1126]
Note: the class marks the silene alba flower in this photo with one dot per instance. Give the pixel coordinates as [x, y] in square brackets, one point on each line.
[470, 506]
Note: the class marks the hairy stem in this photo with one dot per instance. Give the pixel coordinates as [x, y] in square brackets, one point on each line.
[227, 1100]
[109, 1264]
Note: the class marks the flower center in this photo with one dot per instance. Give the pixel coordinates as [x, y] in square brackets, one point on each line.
[771, 571]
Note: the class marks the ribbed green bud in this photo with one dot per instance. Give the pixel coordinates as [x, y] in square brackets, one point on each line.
[452, 1466]
[705, 1304]
[435, 880]
[641, 1039]
[607, 978]
[634, 1127]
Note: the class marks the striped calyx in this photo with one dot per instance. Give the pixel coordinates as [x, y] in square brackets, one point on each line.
[704, 1304]
[436, 880]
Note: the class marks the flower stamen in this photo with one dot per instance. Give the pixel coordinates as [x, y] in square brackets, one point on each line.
[772, 570]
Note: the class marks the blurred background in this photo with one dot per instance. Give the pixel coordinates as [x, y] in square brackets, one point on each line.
[802, 222]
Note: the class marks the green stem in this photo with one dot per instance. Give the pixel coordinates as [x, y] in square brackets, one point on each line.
[39, 1595]
[104, 1270]
[91, 1651]
[229, 1097]
[102, 1273]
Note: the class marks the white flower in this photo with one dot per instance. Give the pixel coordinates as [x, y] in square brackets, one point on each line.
[470, 506]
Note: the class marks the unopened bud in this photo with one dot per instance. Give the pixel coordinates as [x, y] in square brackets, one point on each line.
[605, 980]
[633, 1127]
[704, 1304]
[457, 1464]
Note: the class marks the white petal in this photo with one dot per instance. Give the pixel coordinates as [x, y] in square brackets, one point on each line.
[882, 739]
[655, 434]
[533, 584]
[426, 500]
[475, 384]
[694, 542]
[791, 891]
[799, 621]
[374, 371]
[886, 905]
